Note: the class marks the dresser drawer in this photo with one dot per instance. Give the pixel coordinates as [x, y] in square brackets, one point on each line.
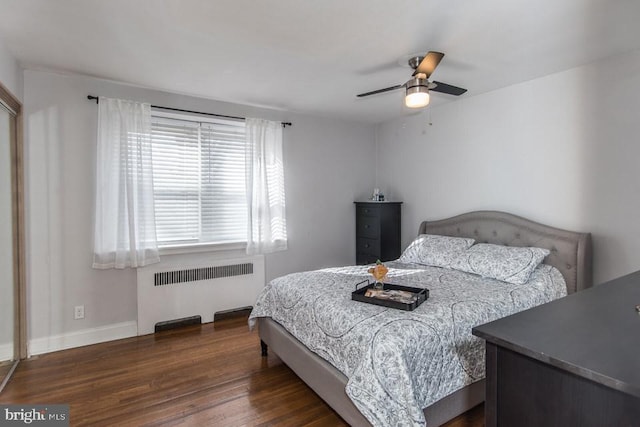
[372, 211]
[367, 227]
[368, 246]
[363, 259]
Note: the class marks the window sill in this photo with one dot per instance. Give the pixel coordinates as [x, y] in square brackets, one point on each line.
[201, 247]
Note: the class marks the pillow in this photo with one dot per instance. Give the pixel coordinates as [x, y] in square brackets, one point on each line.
[507, 263]
[437, 251]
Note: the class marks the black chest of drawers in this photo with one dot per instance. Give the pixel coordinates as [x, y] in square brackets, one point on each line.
[377, 231]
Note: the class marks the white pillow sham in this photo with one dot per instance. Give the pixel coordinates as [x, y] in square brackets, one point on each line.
[507, 263]
[435, 250]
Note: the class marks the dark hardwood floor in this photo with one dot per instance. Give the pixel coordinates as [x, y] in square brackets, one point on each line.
[5, 367]
[209, 375]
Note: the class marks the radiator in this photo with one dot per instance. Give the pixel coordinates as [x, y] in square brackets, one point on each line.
[196, 285]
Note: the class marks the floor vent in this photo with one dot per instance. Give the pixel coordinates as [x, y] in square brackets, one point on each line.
[234, 312]
[177, 323]
[202, 273]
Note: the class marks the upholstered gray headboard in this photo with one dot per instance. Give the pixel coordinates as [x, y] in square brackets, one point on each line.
[570, 251]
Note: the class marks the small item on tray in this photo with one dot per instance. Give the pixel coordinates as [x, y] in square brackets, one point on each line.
[379, 273]
[393, 295]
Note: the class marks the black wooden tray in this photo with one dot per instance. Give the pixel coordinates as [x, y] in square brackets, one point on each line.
[421, 294]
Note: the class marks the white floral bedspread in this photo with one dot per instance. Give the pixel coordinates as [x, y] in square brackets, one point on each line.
[398, 362]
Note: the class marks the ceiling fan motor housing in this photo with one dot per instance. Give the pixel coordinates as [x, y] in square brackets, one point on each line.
[417, 84]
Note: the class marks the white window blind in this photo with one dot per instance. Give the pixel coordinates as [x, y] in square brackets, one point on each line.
[199, 180]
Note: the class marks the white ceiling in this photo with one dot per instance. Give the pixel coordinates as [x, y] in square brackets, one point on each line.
[315, 56]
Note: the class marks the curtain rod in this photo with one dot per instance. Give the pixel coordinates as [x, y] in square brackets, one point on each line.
[284, 124]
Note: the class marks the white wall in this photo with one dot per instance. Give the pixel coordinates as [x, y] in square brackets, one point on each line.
[328, 165]
[562, 150]
[10, 72]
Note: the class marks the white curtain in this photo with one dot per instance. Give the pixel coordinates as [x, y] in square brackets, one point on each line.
[125, 231]
[267, 228]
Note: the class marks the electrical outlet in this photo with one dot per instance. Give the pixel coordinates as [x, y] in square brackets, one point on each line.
[78, 312]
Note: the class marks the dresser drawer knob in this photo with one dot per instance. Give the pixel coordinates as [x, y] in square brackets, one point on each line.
[366, 211]
[366, 245]
[366, 226]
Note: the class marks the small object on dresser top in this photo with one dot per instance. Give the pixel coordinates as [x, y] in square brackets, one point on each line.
[377, 195]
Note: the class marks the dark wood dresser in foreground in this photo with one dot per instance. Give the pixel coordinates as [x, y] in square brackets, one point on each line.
[571, 362]
[377, 231]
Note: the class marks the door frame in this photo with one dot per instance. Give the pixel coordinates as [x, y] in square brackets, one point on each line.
[17, 193]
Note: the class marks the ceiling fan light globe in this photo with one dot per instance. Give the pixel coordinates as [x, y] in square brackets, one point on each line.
[416, 99]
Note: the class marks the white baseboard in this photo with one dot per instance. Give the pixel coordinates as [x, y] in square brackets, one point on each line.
[6, 351]
[83, 337]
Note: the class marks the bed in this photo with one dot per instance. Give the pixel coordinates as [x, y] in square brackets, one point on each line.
[569, 253]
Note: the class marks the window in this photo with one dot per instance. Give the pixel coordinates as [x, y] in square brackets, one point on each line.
[199, 179]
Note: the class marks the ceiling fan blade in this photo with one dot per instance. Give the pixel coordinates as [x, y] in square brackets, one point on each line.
[429, 63]
[448, 89]
[374, 92]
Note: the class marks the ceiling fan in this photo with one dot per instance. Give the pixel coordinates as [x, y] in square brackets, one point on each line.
[418, 87]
